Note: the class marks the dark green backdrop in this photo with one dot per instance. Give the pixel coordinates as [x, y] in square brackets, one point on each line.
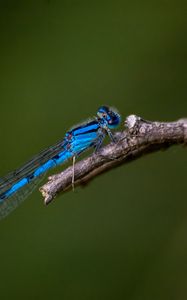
[125, 235]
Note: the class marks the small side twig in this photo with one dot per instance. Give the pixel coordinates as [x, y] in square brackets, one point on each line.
[139, 138]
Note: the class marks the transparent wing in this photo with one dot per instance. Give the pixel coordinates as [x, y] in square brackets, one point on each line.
[7, 181]
[9, 204]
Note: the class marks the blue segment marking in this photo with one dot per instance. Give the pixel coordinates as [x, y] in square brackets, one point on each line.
[48, 165]
[16, 186]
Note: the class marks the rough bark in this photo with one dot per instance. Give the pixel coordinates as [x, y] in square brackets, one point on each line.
[138, 138]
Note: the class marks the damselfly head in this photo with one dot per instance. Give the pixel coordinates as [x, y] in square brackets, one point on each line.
[109, 115]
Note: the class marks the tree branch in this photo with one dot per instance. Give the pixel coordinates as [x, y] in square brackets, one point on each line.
[139, 138]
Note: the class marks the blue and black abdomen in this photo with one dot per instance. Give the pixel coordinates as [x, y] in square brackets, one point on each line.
[16, 186]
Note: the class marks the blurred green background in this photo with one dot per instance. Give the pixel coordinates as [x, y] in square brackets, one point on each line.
[125, 235]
